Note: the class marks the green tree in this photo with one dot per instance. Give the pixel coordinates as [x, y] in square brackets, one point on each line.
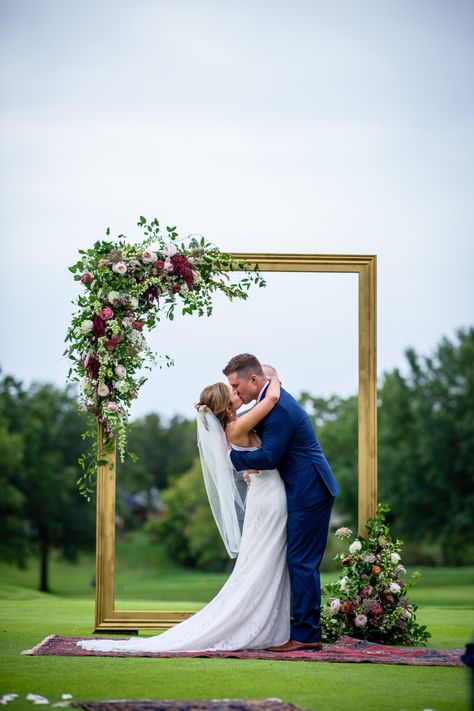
[187, 530]
[42, 497]
[426, 442]
[165, 449]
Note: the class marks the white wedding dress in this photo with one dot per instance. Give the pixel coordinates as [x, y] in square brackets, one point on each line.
[252, 609]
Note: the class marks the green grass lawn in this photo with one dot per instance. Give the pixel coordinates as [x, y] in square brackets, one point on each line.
[445, 597]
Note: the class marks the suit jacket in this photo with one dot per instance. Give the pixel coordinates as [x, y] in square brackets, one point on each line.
[289, 444]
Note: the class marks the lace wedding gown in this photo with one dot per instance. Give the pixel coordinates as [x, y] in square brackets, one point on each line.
[252, 609]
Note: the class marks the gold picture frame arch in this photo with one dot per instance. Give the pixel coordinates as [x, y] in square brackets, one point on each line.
[107, 618]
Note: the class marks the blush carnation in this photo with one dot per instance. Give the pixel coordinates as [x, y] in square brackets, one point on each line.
[360, 620]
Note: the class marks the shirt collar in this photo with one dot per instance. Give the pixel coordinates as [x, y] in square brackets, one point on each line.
[260, 394]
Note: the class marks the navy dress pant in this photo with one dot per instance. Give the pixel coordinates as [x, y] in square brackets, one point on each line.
[307, 537]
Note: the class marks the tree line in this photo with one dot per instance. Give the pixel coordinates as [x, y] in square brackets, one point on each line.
[426, 466]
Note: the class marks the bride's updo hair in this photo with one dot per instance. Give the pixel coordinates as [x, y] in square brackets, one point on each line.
[217, 399]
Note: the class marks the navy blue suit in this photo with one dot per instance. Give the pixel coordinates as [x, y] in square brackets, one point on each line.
[290, 445]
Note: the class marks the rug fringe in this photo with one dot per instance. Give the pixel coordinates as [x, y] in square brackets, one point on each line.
[38, 646]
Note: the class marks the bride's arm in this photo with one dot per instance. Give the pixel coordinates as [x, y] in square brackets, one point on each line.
[243, 424]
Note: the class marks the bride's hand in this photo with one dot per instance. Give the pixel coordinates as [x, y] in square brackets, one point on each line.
[247, 475]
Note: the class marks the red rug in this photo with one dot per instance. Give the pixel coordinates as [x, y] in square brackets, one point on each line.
[345, 649]
[268, 705]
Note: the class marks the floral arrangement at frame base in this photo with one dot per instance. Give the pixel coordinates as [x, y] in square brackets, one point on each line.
[369, 601]
[127, 289]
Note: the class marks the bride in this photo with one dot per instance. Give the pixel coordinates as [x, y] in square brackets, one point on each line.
[252, 609]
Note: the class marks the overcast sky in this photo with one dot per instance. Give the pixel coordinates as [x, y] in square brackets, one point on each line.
[266, 126]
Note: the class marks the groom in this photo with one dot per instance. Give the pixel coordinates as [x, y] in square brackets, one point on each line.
[289, 444]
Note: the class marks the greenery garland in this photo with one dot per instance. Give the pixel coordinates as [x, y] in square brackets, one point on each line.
[128, 288]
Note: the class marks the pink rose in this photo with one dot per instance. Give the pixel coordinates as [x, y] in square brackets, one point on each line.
[335, 605]
[86, 278]
[103, 263]
[120, 371]
[367, 592]
[377, 610]
[148, 257]
[138, 325]
[120, 268]
[112, 406]
[133, 394]
[106, 313]
[360, 620]
[159, 264]
[103, 390]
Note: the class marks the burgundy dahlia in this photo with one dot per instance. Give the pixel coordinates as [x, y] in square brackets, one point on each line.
[98, 328]
[347, 608]
[182, 269]
[92, 367]
[150, 294]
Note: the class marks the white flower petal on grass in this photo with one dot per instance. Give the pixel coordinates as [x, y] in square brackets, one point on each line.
[66, 696]
[37, 699]
[6, 698]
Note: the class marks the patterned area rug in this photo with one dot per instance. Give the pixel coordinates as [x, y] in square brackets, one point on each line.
[268, 705]
[345, 649]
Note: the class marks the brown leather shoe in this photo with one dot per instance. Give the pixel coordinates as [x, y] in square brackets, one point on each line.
[294, 646]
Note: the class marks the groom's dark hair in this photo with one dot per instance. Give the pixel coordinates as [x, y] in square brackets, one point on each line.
[244, 364]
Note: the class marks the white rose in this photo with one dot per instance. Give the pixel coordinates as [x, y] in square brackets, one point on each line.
[87, 326]
[395, 558]
[170, 250]
[149, 257]
[114, 296]
[121, 386]
[394, 587]
[343, 583]
[134, 302]
[355, 547]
